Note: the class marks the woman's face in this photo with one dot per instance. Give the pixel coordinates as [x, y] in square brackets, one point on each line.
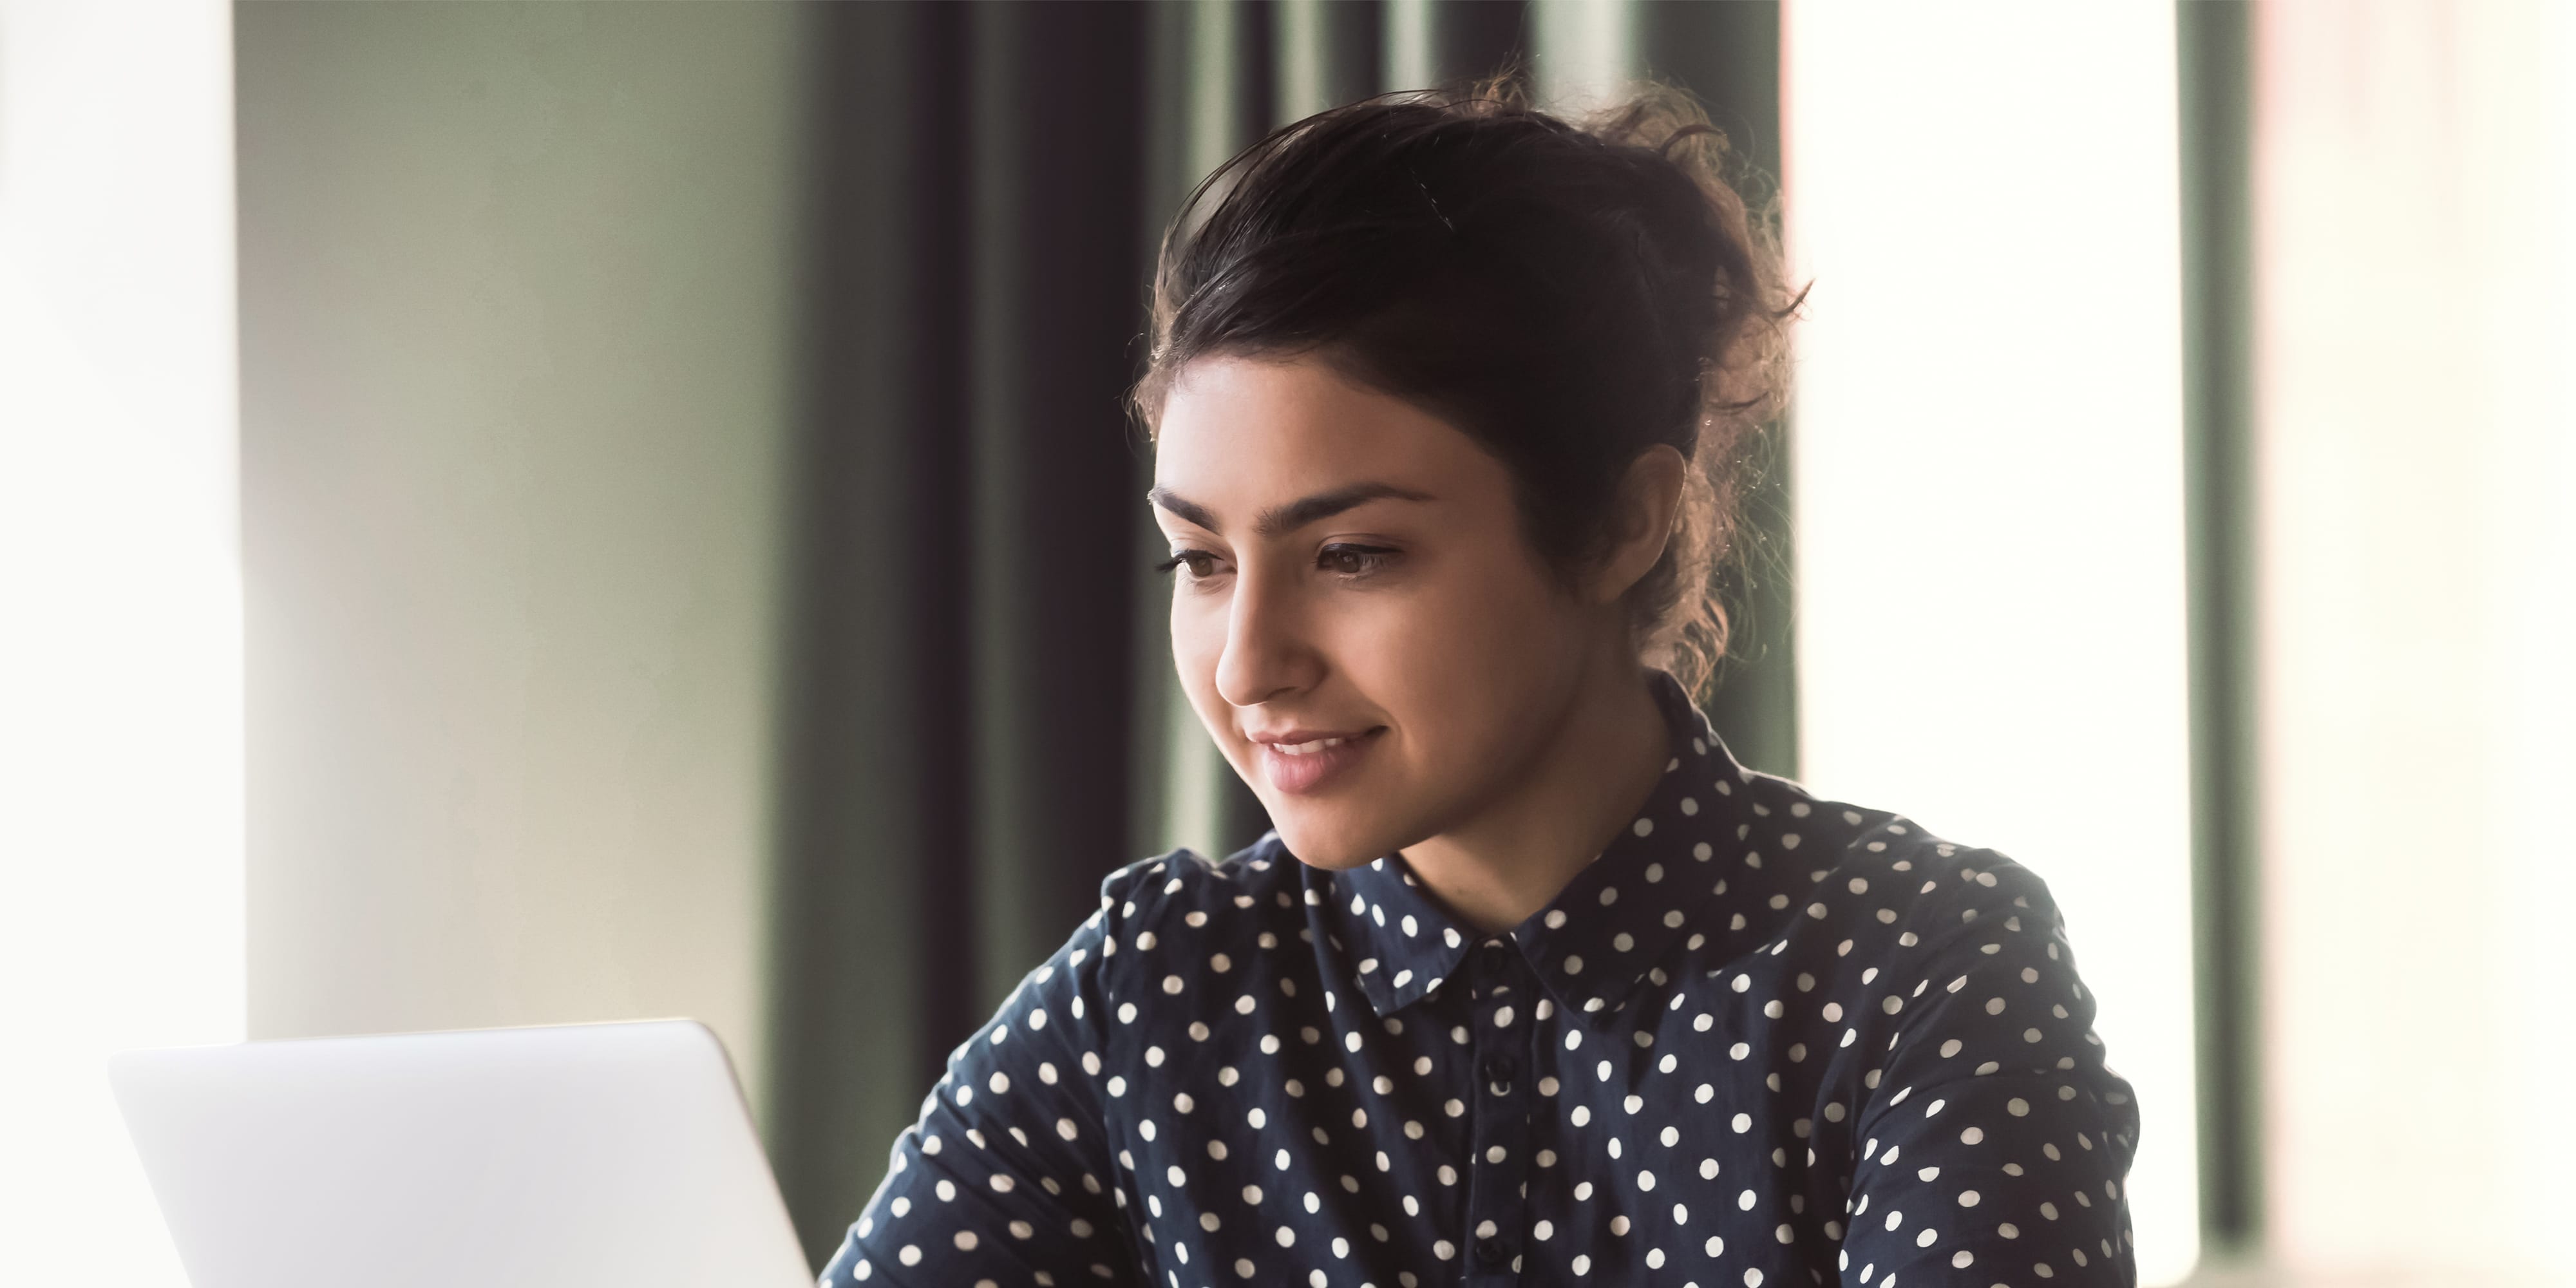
[1356, 615]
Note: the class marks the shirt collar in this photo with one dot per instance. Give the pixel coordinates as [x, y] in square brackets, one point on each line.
[1602, 935]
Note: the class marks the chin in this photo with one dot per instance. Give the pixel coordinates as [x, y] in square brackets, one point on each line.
[1333, 844]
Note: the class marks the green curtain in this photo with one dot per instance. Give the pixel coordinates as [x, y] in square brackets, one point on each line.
[983, 718]
[2216, 95]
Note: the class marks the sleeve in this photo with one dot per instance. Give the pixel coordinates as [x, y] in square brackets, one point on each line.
[1007, 1177]
[1996, 1142]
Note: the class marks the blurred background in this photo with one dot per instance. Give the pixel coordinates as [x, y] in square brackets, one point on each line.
[516, 513]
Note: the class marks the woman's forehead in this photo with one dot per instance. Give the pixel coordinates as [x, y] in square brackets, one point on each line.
[1240, 432]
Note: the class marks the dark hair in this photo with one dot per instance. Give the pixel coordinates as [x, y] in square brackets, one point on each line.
[1568, 295]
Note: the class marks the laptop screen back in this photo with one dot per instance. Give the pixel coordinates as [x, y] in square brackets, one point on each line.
[598, 1154]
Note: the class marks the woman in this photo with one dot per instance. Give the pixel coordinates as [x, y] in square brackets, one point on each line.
[1532, 983]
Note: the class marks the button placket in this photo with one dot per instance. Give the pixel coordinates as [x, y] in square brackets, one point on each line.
[1499, 1118]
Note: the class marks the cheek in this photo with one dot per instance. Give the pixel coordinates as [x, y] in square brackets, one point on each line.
[1469, 661]
[1198, 637]
[1198, 644]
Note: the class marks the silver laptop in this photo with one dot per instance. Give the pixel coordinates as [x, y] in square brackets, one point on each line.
[615, 1155]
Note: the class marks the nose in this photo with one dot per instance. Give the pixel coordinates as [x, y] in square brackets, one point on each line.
[1266, 656]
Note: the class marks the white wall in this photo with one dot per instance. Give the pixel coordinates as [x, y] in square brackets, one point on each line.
[517, 330]
[1989, 479]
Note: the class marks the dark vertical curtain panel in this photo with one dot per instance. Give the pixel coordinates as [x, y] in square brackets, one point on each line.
[874, 895]
[981, 716]
[1473, 39]
[1056, 196]
[2216, 66]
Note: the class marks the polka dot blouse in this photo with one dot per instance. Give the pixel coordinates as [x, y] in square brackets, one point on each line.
[1762, 1039]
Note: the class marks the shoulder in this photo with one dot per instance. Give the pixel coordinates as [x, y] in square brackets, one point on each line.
[1892, 931]
[1240, 903]
[1187, 888]
[1183, 880]
[1877, 876]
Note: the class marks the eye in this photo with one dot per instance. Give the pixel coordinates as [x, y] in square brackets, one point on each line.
[1353, 560]
[1201, 563]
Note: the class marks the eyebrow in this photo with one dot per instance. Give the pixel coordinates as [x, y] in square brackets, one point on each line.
[1295, 514]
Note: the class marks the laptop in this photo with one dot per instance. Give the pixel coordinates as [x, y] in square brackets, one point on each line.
[574, 1156]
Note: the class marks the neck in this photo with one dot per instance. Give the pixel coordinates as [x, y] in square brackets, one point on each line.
[1507, 862]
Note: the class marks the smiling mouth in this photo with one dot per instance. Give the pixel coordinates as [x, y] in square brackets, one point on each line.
[1312, 765]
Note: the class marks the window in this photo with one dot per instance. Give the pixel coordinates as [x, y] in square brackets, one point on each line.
[1989, 482]
[120, 605]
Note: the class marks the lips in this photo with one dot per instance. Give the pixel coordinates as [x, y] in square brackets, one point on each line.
[1300, 761]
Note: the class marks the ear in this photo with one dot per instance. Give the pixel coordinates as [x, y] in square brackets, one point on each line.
[1649, 498]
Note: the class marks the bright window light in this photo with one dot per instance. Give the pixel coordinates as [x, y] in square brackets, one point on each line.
[2415, 194]
[120, 614]
[1585, 50]
[1988, 478]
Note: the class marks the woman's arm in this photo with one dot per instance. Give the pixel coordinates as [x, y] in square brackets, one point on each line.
[1996, 1146]
[1007, 1176]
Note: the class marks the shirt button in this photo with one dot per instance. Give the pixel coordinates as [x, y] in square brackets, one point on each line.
[1491, 1254]
[1498, 1070]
